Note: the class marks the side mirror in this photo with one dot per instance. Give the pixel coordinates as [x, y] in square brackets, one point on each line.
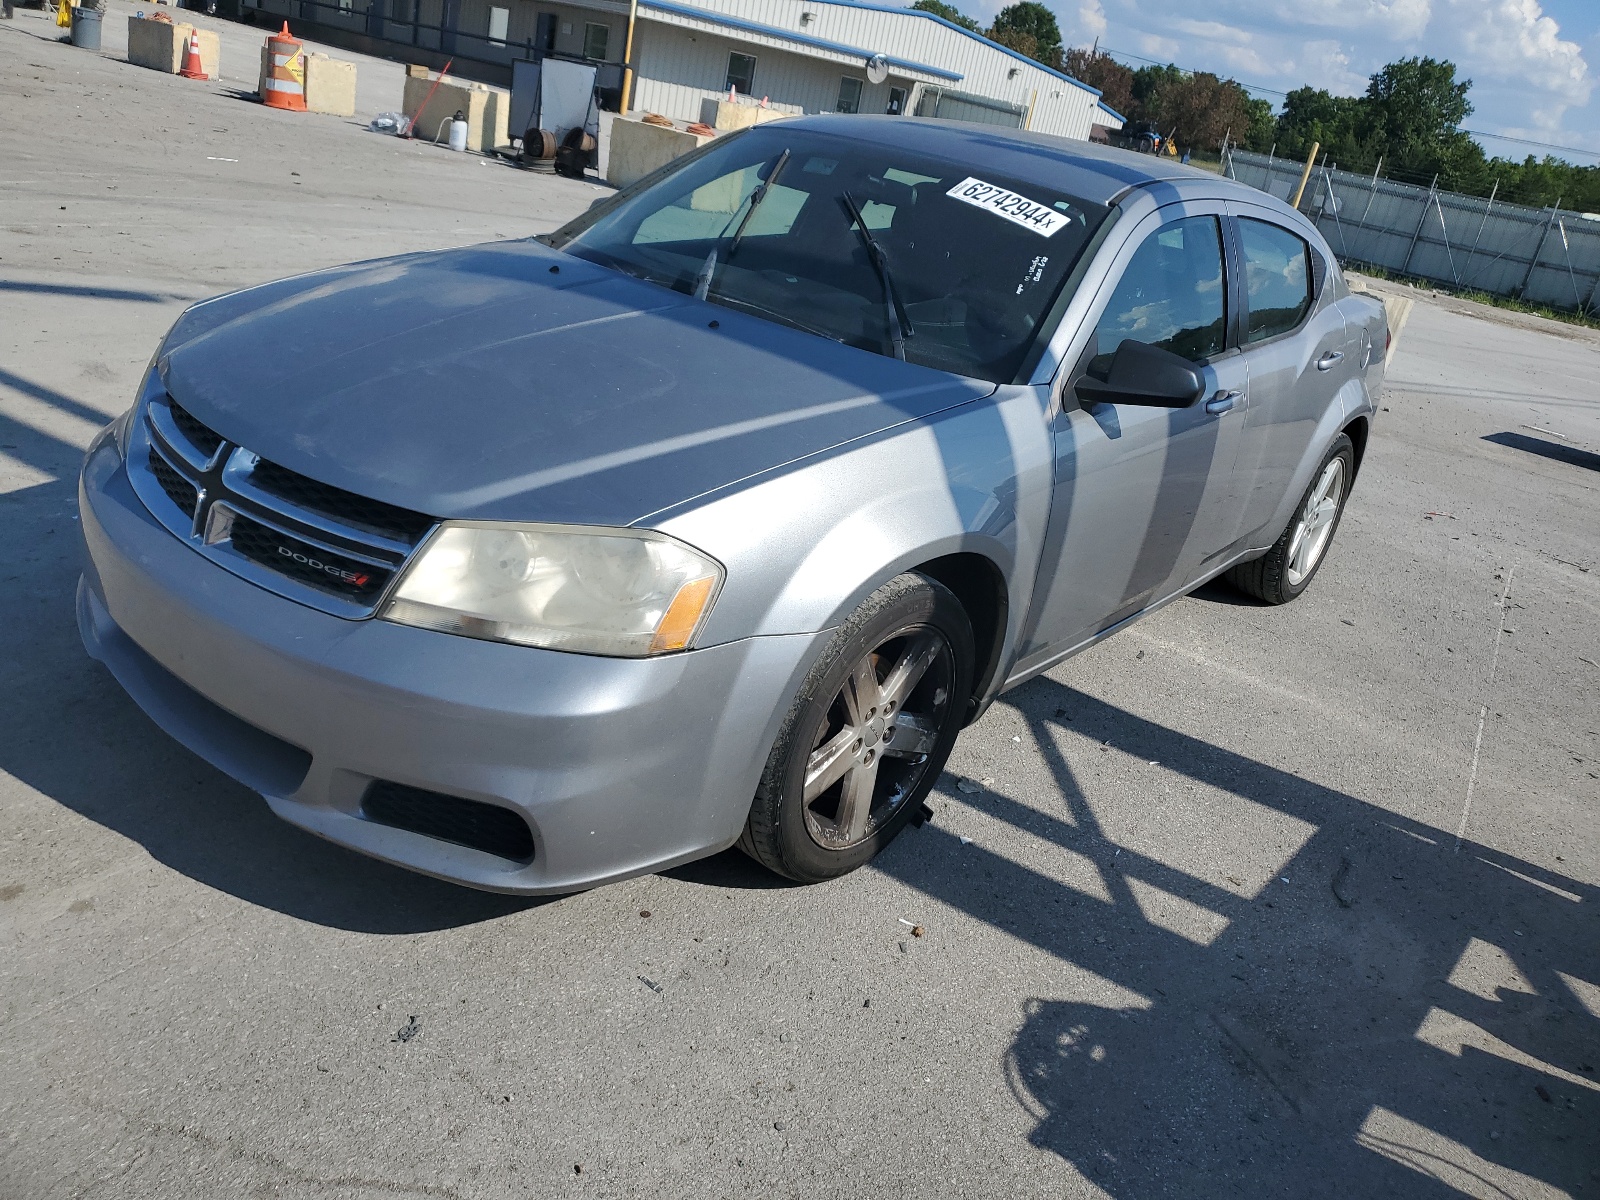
[1144, 375]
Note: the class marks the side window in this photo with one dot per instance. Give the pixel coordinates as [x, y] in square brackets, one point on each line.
[1170, 295]
[1277, 271]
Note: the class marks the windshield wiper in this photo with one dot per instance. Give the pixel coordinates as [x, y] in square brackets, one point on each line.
[708, 270]
[899, 324]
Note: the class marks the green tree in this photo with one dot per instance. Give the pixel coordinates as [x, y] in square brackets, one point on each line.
[1412, 114]
[1338, 123]
[1147, 81]
[1029, 28]
[949, 12]
[1262, 133]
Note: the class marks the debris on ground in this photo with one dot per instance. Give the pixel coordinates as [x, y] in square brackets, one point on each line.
[1428, 516]
[652, 985]
[645, 913]
[408, 1031]
[391, 122]
[1543, 1093]
[918, 931]
[966, 841]
[1340, 878]
[967, 786]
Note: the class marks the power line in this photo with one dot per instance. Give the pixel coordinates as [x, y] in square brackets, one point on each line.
[1156, 62]
[1254, 87]
[1506, 137]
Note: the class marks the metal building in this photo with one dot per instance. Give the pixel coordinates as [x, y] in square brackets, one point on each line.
[801, 55]
[818, 56]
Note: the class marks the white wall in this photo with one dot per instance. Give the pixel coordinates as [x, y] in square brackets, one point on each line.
[678, 68]
[1059, 106]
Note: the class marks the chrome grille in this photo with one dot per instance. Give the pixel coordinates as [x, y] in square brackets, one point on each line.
[178, 489]
[315, 543]
[198, 434]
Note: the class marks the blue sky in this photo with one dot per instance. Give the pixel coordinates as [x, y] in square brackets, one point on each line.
[1535, 64]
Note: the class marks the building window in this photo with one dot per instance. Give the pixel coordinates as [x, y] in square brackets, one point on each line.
[897, 102]
[741, 73]
[499, 18]
[849, 95]
[596, 41]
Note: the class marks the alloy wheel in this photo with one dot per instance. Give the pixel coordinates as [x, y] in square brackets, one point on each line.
[872, 748]
[1314, 528]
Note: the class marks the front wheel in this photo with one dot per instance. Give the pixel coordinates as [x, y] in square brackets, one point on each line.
[1284, 571]
[868, 734]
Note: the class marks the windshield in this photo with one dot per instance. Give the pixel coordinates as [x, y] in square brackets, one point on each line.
[948, 264]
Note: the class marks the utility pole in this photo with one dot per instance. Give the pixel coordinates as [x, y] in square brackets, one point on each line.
[1311, 160]
[627, 58]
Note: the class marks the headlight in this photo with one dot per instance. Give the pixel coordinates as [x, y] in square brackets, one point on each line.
[622, 592]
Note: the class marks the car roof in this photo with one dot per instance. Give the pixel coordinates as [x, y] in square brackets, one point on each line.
[1098, 174]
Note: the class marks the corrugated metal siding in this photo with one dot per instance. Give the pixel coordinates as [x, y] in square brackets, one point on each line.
[678, 68]
[1059, 106]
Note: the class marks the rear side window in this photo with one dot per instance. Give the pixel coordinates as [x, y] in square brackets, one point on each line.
[1277, 267]
[1170, 295]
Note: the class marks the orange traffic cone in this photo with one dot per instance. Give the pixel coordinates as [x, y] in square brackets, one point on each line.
[191, 58]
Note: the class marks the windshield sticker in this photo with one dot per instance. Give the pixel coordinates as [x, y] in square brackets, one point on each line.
[1019, 210]
[1034, 273]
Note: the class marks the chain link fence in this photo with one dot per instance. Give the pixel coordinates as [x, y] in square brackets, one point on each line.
[1540, 256]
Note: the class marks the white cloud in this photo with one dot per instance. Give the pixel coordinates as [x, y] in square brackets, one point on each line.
[1092, 19]
[1513, 44]
[1527, 74]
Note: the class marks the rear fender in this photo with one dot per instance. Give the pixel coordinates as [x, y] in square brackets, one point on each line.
[1350, 402]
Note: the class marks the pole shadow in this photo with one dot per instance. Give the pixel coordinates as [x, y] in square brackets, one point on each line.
[1404, 1018]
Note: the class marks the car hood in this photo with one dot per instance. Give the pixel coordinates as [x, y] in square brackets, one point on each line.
[512, 382]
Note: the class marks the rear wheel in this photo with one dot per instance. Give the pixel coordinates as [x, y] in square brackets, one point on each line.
[868, 735]
[1284, 571]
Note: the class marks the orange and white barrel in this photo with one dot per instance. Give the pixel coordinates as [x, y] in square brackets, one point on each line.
[284, 83]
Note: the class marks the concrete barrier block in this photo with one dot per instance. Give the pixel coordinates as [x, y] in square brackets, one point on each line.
[721, 115]
[486, 110]
[637, 149]
[159, 46]
[330, 85]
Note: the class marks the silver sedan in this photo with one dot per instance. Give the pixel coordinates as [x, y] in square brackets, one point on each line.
[713, 517]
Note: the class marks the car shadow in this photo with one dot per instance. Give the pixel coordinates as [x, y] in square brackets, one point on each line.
[1219, 592]
[1394, 1016]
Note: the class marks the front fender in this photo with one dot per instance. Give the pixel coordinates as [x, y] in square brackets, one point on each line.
[804, 545]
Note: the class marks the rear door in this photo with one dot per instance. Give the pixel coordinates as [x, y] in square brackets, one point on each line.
[1144, 495]
[1300, 353]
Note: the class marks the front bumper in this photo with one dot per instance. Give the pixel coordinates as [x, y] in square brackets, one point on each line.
[619, 766]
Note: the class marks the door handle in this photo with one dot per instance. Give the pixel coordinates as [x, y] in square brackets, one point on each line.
[1223, 401]
[1330, 360]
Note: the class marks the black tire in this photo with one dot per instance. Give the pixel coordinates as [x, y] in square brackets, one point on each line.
[910, 618]
[1269, 578]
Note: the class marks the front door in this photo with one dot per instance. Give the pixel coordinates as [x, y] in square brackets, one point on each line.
[1144, 496]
